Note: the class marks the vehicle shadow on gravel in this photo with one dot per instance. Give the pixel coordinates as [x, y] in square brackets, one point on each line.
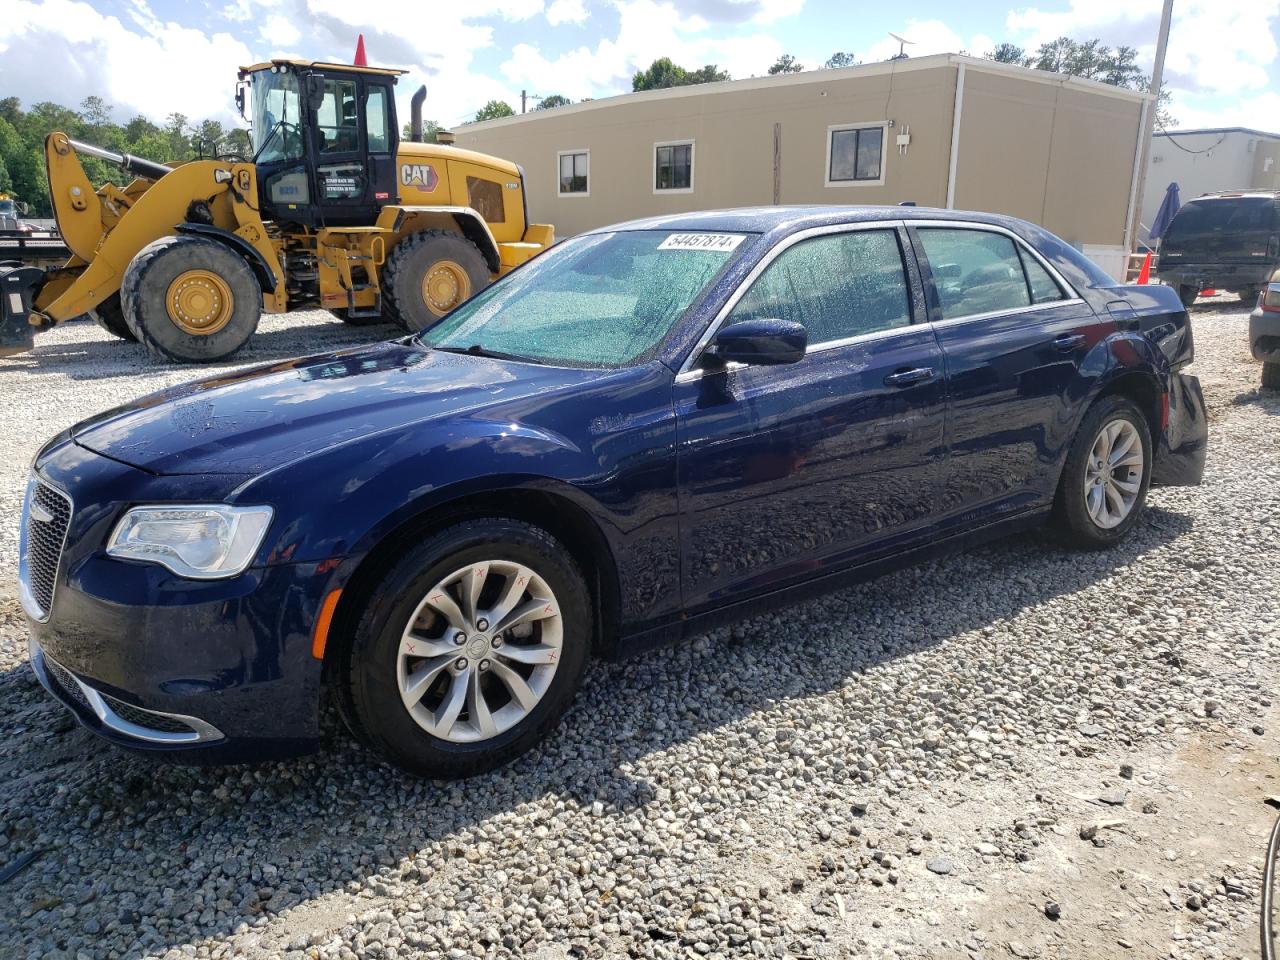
[1266, 400]
[160, 857]
[107, 357]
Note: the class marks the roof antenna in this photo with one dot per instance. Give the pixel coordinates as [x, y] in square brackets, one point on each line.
[902, 47]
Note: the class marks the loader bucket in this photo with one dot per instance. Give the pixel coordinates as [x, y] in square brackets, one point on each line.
[18, 284]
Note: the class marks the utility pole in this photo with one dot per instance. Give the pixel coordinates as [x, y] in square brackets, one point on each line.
[1144, 145]
[522, 99]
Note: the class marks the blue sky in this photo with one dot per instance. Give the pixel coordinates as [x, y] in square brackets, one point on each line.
[159, 56]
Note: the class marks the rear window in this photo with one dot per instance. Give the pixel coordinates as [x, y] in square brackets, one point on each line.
[1201, 218]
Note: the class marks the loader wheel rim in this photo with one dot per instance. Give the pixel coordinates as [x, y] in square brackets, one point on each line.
[199, 302]
[445, 286]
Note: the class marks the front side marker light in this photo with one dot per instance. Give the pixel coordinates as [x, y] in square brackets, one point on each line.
[199, 541]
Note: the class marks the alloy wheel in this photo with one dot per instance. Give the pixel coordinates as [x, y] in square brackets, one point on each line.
[480, 650]
[1113, 473]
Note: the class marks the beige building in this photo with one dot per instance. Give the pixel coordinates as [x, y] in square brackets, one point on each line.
[944, 131]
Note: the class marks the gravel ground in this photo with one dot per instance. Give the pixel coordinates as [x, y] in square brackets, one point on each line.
[1021, 751]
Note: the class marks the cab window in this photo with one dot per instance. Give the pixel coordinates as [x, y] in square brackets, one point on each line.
[376, 128]
[337, 118]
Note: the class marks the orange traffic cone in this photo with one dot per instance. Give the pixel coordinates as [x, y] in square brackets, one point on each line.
[360, 60]
[1144, 275]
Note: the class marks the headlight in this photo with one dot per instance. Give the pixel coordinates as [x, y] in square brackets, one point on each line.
[204, 542]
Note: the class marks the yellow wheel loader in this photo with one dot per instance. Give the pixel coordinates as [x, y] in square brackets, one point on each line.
[331, 211]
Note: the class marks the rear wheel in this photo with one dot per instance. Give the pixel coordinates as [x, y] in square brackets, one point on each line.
[1249, 295]
[191, 299]
[1271, 376]
[470, 649]
[1187, 294]
[1105, 479]
[109, 315]
[428, 274]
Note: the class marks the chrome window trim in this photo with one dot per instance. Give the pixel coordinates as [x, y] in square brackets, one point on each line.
[201, 731]
[688, 372]
[1072, 293]
[970, 317]
[26, 598]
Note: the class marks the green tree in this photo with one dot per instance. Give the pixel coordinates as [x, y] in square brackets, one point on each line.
[662, 73]
[429, 130]
[838, 60]
[553, 101]
[494, 109]
[785, 64]
[1008, 53]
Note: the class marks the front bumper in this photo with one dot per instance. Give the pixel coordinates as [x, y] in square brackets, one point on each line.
[135, 651]
[1264, 336]
[1184, 444]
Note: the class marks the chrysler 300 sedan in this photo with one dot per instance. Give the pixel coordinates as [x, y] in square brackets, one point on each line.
[648, 430]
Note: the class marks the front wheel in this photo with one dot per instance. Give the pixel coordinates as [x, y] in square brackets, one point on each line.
[109, 315]
[1187, 294]
[428, 274]
[190, 299]
[469, 650]
[1105, 479]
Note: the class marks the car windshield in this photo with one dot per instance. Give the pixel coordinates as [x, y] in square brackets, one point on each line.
[601, 300]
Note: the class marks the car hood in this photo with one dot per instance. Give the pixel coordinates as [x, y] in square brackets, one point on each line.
[254, 420]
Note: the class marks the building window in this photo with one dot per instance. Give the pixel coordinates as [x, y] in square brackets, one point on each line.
[574, 169]
[673, 167]
[855, 154]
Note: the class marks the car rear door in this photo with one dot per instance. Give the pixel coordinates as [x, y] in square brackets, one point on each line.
[785, 472]
[1013, 334]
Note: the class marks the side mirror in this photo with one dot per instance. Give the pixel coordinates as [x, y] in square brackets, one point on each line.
[240, 99]
[765, 342]
[315, 90]
[22, 208]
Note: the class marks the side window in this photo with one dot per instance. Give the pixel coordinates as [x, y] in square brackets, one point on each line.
[974, 271]
[485, 197]
[1044, 289]
[840, 285]
[337, 119]
[854, 154]
[375, 120]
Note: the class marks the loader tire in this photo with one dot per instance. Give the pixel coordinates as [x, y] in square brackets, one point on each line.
[190, 299]
[428, 274]
[110, 317]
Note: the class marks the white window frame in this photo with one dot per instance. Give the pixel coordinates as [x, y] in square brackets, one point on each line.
[568, 153]
[693, 165]
[884, 153]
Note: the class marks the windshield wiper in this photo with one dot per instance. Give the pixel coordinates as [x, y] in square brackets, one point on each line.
[479, 350]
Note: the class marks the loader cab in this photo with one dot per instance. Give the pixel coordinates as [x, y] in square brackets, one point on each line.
[325, 139]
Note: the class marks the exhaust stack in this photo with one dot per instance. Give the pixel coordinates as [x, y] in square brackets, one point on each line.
[415, 114]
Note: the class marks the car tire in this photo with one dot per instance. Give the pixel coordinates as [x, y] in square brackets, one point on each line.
[1271, 376]
[175, 274]
[411, 295]
[109, 315]
[1187, 294]
[444, 732]
[1095, 507]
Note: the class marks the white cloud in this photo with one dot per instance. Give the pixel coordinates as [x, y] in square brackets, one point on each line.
[279, 32]
[566, 11]
[1260, 112]
[152, 66]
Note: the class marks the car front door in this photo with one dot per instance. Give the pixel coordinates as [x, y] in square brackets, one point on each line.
[785, 472]
[1013, 334]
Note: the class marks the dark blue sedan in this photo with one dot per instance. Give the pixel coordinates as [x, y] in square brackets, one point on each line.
[651, 429]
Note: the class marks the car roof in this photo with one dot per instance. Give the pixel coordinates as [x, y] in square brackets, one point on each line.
[767, 219]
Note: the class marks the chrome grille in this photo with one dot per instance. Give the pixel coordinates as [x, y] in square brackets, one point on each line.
[44, 533]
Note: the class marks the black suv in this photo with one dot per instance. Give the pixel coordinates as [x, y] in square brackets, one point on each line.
[1227, 241]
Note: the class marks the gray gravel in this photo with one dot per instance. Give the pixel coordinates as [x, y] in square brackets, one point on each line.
[1022, 751]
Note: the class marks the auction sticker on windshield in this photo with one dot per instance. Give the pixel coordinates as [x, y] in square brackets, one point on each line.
[719, 242]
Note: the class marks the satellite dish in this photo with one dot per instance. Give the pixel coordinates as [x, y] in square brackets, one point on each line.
[902, 45]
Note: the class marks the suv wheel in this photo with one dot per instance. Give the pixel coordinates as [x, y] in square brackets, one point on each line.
[1105, 479]
[470, 649]
[1271, 376]
[1187, 294]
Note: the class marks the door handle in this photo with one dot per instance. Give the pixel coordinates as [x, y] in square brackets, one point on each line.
[905, 378]
[1068, 342]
